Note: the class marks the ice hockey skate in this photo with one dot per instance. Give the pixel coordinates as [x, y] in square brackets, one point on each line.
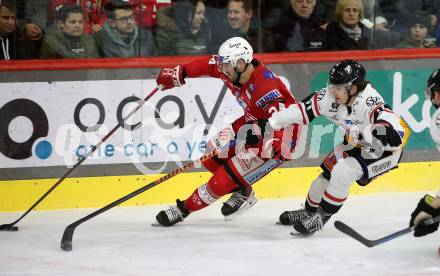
[311, 224]
[239, 202]
[290, 217]
[172, 215]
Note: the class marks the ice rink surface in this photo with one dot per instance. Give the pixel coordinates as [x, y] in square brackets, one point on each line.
[123, 242]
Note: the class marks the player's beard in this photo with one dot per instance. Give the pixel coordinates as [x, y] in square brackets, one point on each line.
[233, 76]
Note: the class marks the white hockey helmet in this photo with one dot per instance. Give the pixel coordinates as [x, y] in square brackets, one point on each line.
[234, 49]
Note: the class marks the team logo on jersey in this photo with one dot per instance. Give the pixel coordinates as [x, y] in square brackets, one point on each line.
[268, 97]
[373, 101]
[268, 75]
[335, 106]
[348, 123]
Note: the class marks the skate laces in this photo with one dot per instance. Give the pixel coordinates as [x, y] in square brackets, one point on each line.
[238, 198]
[297, 215]
[174, 213]
[313, 223]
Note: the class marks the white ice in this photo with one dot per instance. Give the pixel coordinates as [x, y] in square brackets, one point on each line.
[122, 242]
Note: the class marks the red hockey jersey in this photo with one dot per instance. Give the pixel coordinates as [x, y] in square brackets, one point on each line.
[262, 95]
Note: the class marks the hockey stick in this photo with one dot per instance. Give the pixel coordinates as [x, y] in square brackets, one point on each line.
[344, 228]
[66, 241]
[11, 227]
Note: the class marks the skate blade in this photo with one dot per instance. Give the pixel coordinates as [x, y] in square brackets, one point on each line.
[300, 235]
[279, 223]
[246, 206]
[156, 224]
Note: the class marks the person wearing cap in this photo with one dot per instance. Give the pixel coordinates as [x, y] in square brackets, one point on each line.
[417, 36]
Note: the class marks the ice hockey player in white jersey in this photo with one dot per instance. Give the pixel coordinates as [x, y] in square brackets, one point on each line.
[429, 206]
[374, 137]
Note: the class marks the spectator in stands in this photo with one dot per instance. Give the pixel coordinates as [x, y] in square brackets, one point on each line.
[40, 16]
[401, 12]
[417, 35]
[347, 32]
[56, 5]
[239, 22]
[383, 37]
[67, 39]
[14, 44]
[36, 16]
[298, 30]
[120, 37]
[276, 8]
[193, 33]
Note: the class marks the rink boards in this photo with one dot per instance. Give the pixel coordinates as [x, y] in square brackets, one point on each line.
[282, 183]
[93, 95]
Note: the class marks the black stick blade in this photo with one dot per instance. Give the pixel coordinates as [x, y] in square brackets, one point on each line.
[344, 228]
[66, 241]
[8, 227]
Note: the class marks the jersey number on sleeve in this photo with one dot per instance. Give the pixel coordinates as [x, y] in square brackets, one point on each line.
[273, 108]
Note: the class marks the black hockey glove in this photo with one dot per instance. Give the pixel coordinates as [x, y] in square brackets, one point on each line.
[421, 214]
[254, 131]
[386, 134]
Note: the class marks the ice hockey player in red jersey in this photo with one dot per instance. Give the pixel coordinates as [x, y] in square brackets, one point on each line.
[259, 92]
[373, 142]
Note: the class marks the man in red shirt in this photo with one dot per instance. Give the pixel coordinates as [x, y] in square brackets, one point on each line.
[259, 92]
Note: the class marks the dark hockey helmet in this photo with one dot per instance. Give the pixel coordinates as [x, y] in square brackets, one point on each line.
[433, 84]
[347, 72]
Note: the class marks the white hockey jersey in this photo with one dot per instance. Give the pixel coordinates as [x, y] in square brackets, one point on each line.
[367, 109]
[434, 128]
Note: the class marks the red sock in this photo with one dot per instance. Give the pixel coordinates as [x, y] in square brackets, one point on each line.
[218, 185]
[194, 202]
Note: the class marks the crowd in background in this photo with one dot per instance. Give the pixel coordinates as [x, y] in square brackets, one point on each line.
[130, 28]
